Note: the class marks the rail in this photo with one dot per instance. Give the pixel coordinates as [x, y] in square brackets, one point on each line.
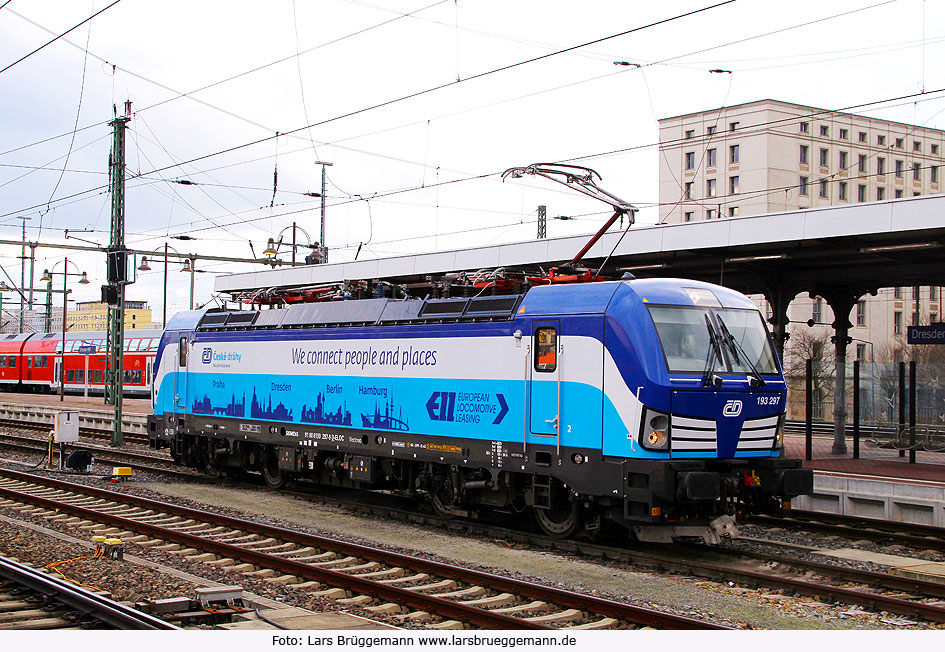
[88, 606]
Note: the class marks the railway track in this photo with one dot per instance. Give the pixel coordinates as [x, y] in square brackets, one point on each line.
[377, 580]
[100, 434]
[33, 600]
[904, 596]
[148, 462]
[912, 535]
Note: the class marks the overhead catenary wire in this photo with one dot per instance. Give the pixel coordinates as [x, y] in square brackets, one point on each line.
[53, 40]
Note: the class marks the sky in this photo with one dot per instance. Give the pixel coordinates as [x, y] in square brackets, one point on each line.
[419, 107]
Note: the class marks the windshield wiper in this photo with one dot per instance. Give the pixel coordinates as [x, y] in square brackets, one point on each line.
[708, 371]
[736, 348]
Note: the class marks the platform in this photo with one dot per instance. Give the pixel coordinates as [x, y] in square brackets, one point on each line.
[879, 484]
[77, 402]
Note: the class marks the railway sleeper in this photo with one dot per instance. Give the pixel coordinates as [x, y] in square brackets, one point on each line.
[558, 617]
[603, 623]
[491, 602]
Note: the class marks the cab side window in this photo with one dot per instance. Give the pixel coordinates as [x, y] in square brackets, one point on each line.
[182, 352]
[546, 349]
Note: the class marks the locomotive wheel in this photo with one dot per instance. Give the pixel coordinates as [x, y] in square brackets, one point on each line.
[560, 521]
[273, 476]
[443, 509]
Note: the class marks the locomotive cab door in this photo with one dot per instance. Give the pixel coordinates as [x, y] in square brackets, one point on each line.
[544, 395]
[180, 373]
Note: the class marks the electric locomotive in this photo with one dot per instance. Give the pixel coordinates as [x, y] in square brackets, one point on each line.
[655, 404]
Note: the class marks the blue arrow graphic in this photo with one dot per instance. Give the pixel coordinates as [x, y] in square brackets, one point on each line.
[503, 409]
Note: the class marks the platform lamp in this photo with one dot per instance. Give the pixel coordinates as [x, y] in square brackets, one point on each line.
[274, 245]
[83, 280]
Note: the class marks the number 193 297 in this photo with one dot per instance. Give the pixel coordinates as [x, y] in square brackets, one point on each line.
[769, 400]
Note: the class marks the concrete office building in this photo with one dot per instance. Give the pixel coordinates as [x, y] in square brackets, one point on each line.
[770, 156]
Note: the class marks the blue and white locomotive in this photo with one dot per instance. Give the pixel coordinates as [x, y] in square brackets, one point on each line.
[657, 404]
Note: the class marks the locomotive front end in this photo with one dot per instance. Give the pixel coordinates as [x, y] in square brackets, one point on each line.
[708, 445]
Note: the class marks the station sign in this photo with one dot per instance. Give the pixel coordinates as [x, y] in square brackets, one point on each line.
[88, 349]
[934, 334]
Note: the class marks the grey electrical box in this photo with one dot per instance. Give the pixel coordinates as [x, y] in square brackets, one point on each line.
[66, 429]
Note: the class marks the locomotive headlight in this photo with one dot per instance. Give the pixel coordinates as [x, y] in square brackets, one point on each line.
[654, 433]
[779, 435]
[656, 439]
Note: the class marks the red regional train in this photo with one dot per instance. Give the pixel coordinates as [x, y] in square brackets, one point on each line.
[30, 362]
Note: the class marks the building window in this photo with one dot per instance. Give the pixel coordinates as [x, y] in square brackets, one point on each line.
[880, 165]
[917, 194]
[934, 173]
[861, 193]
[881, 140]
[861, 165]
[823, 188]
[844, 134]
[844, 161]
[711, 130]
[842, 191]
[824, 157]
[817, 311]
[690, 160]
[712, 158]
[933, 293]
[861, 352]
[732, 126]
[687, 217]
[897, 293]
[916, 171]
[916, 146]
[805, 127]
[861, 313]
[803, 155]
[733, 185]
[897, 323]
[733, 154]
[899, 143]
[824, 130]
[710, 189]
[688, 190]
[935, 149]
[898, 169]
[880, 194]
[710, 214]
[733, 211]
[862, 136]
[690, 133]
[898, 194]
[933, 317]
[803, 185]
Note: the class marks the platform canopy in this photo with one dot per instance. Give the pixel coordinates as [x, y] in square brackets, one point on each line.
[876, 244]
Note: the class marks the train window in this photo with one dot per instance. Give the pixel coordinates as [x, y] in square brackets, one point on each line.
[126, 376]
[182, 352]
[3, 362]
[70, 375]
[29, 362]
[154, 345]
[45, 358]
[97, 376]
[136, 377]
[133, 345]
[80, 375]
[12, 361]
[546, 349]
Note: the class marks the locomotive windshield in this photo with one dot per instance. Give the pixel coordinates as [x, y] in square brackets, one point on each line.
[684, 335]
